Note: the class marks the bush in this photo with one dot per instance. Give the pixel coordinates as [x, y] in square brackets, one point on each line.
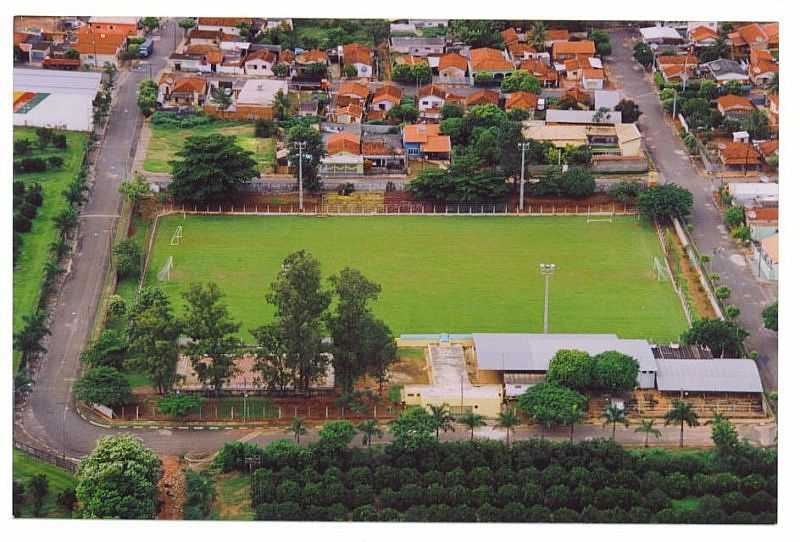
[34, 197]
[23, 147]
[28, 211]
[178, 406]
[55, 162]
[128, 258]
[199, 495]
[265, 128]
[22, 223]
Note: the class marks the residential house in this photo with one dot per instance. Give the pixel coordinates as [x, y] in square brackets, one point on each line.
[182, 91]
[308, 107]
[383, 153]
[736, 107]
[660, 35]
[767, 149]
[520, 51]
[40, 51]
[411, 60]
[254, 100]
[765, 258]
[453, 65]
[260, 62]
[739, 156]
[593, 79]
[227, 25]
[563, 50]
[762, 67]
[555, 34]
[560, 135]
[429, 23]
[185, 62]
[752, 37]
[343, 155]
[350, 113]
[430, 99]
[676, 67]
[358, 56]
[128, 26]
[309, 58]
[547, 76]
[353, 89]
[385, 97]
[606, 99]
[417, 46]
[280, 23]
[98, 47]
[762, 221]
[574, 116]
[425, 141]
[492, 61]
[753, 194]
[482, 97]
[397, 29]
[521, 100]
[723, 70]
[621, 140]
[703, 36]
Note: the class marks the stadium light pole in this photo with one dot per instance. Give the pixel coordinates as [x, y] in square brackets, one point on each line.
[524, 147]
[299, 145]
[547, 270]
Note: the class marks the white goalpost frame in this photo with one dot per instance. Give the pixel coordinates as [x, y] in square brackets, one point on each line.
[660, 270]
[177, 236]
[600, 218]
[163, 274]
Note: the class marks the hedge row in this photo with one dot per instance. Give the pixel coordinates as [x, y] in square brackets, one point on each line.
[37, 165]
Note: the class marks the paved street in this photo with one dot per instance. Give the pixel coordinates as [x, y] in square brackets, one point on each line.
[709, 232]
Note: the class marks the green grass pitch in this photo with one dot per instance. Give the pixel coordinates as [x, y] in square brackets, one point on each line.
[440, 274]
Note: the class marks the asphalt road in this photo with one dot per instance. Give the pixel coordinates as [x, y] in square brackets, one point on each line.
[49, 421]
[674, 165]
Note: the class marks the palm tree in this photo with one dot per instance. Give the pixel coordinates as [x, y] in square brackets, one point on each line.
[507, 420]
[683, 413]
[614, 415]
[647, 426]
[473, 421]
[221, 98]
[537, 35]
[442, 419]
[28, 340]
[371, 430]
[575, 416]
[298, 428]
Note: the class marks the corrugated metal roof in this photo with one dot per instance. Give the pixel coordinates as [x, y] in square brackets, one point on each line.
[712, 375]
[533, 352]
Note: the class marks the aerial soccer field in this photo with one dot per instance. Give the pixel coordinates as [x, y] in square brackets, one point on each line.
[439, 274]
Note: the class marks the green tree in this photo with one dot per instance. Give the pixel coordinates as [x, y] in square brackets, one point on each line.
[507, 420]
[380, 349]
[722, 337]
[478, 33]
[626, 192]
[187, 23]
[404, 112]
[38, 487]
[135, 188]
[472, 420]
[72, 54]
[413, 429]
[629, 109]
[127, 258]
[117, 306]
[210, 168]
[551, 404]
[153, 333]
[663, 202]
[770, 316]
[682, 413]
[103, 385]
[221, 97]
[756, 124]
[734, 216]
[537, 35]
[119, 480]
[281, 106]
[647, 426]
[299, 304]
[442, 418]
[602, 42]
[28, 339]
[110, 350]
[613, 415]
[572, 369]
[643, 54]
[280, 69]
[297, 428]
[452, 110]
[370, 430]
[313, 151]
[520, 81]
[615, 372]
[147, 96]
[150, 23]
[336, 435]
[724, 435]
[350, 71]
[179, 406]
[571, 417]
[213, 342]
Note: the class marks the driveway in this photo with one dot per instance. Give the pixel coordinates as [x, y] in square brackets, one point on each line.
[674, 165]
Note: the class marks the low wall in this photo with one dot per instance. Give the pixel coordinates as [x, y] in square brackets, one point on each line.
[620, 164]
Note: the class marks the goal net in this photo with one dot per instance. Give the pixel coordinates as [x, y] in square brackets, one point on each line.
[599, 218]
[177, 236]
[163, 274]
[660, 269]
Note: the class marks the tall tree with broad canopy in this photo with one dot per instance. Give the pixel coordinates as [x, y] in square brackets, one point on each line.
[662, 203]
[520, 81]
[551, 404]
[380, 349]
[724, 434]
[28, 340]
[370, 430]
[313, 151]
[478, 33]
[722, 337]
[110, 349]
[572, 369]
[615, 372]
[681, 413]
[210, 168]
[213, 344]
[153, 333]
[300, 303]
[335, 436]
[413, 429]
[119, 480]
[104, 386]
[770, 316]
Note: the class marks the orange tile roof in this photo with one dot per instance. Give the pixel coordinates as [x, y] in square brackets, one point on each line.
[223, 21]
[286, 56]
[482, 96]
[736, 39]
[509, 36]
[190, 84]
[353, 109]
[432, 90]
[771, 29]
[736, 153]
[312, 56]
[419, 133]
[262, 54]
[353, 87]
[438, 143]
[200, 49]
[343, 142]
[102, 43]
[774, 99]
[523, 100]
[377, 148]
[768, 147]
[702, 32]
[487, 59]
[753, 34]
[520, 49]
[355, 53]
[557, 34]
[674, 70]
[452, 60]
[376, 115]
[215, 57]
[730, 101]
[770, 246]
[19, 37]
[583, 47]
[593, 73]
[677, 60]
[539, 69]
[410, 59]
[389, 93]
[760, 67]
[762, 214]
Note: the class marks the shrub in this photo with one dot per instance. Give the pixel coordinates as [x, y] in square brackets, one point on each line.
[22, 223]
[178, 406]
[55, 162]
[28, 211]
[34, 197]
[22, 147]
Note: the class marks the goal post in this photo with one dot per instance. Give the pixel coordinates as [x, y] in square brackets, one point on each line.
[177, 236]
[600, 218]
[660, 269]
[163, 274]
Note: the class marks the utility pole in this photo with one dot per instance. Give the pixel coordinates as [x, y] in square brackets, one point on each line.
[524, 146]
[299, 145]
[547, 270]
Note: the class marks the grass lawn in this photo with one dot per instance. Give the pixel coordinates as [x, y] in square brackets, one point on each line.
[25, 466]
[686, 505]
[232, 501]
[28, 274]
[165, 141]
[440, 274]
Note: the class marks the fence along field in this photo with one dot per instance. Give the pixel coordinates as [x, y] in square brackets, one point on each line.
[438, 274]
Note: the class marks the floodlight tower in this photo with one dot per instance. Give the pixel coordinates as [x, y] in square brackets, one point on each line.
[523, 147]
[547, 270]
